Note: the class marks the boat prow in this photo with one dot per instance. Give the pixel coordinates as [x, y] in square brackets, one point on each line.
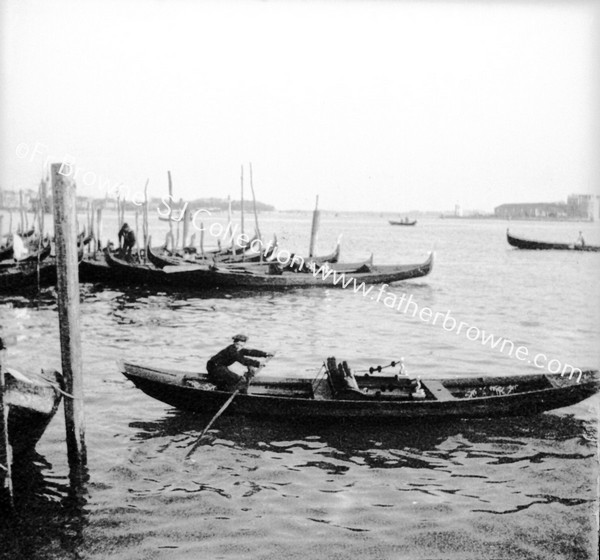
[32, 401]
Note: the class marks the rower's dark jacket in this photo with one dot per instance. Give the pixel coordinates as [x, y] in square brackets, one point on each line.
[231, 354]
[128, 235]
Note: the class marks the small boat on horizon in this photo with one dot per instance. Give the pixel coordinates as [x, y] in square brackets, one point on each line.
[403, 222]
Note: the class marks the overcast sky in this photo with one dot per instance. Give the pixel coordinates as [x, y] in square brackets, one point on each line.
[380, 105]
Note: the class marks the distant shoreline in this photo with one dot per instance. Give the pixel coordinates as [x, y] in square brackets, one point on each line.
[419, 215]
[518, 219]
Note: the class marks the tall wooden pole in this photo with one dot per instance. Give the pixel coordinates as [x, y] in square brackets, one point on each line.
[137, 228]
[21, 214]
[90, 224]
[314, 229]
[5, 448]
[178, 228]
[229, 227]
[119, 223]
[254, 204]
[65, 232]
[202, 239]
[123, 211]
[242, 198]
[170, 210]
[43, 207]
[186, 225]
[40, 216]
[146, 220]
[99, 228]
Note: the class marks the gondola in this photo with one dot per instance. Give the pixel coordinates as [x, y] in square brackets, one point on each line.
[26, 275]
[342, 395]
[32, 401]
[6, 251]
[253, 276]
[37, 252]
[332, 258]
[402, 223]
[35, 249]
[275, 278]
[234, 249]
[159, 258]
[540, 245]
[94, 268]
[269, 254]
[132, 273]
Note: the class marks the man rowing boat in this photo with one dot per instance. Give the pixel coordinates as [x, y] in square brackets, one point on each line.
[218, 366]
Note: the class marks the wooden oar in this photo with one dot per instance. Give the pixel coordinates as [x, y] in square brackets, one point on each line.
[238, 388]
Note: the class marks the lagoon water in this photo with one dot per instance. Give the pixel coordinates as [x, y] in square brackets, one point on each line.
[521, 488]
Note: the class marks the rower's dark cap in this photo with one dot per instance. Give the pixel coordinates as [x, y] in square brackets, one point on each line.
[240, 338]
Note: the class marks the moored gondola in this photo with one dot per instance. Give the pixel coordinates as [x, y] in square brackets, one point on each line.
[32, 401]
[27, 275]
[161, 258]
[276, 278]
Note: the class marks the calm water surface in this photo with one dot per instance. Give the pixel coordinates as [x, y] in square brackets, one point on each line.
[522, 488]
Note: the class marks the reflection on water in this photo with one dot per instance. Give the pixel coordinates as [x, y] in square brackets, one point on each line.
[49, 513]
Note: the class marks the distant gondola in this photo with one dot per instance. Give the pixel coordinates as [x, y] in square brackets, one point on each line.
[402, 223]
[540, 245]
[343, 396]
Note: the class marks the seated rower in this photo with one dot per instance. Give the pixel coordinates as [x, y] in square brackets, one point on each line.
[218, 366]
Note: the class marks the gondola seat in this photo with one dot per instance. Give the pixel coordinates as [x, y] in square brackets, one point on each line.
[342, 381]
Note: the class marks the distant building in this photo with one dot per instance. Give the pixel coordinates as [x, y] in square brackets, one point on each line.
[584, 206]
[532, 210]
[9, 199]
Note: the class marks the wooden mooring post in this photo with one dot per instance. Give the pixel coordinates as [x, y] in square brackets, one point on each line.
[254, 204]
[314, 229]
[65, 231]
[5, 449]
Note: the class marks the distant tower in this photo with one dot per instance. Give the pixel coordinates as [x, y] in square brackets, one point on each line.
[458, 210]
